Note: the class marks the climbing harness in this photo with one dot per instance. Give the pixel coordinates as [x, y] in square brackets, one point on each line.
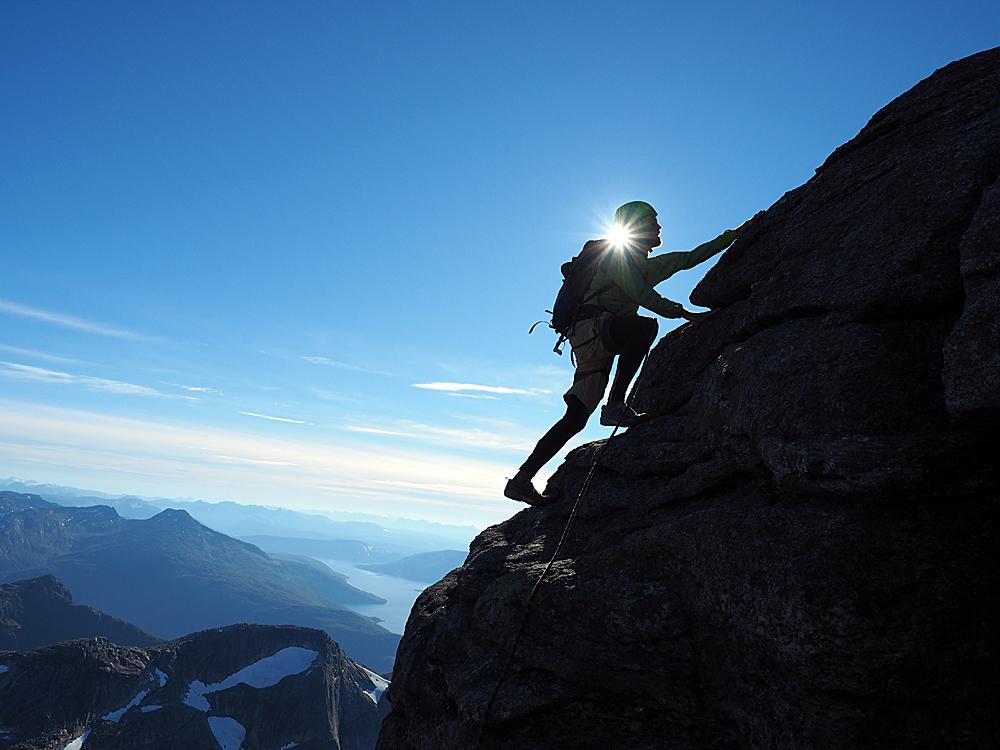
[531, 595]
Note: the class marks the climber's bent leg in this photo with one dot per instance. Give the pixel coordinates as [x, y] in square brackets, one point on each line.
[632, 335]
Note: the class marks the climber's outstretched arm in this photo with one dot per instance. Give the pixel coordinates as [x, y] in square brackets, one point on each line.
[664, 266]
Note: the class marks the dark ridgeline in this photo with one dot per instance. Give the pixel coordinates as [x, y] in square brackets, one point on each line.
[798, 552]
[170, 575]
[310, 696]
[40, 611]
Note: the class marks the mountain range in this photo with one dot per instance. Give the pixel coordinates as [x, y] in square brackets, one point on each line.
[389, 535]
[171, 575]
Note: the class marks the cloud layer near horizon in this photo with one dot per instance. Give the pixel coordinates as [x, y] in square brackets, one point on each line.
[162, 458]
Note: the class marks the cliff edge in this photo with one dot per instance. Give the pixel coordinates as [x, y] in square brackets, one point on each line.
[797, 551]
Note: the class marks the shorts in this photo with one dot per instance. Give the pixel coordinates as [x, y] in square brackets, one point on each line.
[593, 363]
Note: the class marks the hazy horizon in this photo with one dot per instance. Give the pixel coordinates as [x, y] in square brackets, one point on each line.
[33, 486]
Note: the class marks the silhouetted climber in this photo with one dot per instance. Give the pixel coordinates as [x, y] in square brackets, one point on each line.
[605, 322]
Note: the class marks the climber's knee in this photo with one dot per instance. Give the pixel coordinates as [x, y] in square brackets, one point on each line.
[576, 414]
[652, 328]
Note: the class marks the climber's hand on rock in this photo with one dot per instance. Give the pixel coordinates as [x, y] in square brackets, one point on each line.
[691, 315]
[746, 224]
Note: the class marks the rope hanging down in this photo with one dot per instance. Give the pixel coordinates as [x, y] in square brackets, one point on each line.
[569, 522]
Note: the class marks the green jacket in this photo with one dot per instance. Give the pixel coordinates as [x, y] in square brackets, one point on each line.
[631, 275]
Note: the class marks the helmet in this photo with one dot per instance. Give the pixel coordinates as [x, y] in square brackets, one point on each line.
[634, 212]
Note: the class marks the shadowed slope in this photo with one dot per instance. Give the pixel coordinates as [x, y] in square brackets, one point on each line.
[40, 611]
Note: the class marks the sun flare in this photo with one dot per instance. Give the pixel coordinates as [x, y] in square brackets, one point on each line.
[618, 235]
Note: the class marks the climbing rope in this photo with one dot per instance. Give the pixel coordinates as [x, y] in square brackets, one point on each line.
[531, 595]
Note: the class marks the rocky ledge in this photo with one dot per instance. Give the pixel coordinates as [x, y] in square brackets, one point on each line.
[797, 551]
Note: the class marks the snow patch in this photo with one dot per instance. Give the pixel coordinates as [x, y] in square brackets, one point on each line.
[4, 668]
[288, 746]
[78, 742]
[150, 708]
[261, 674]
[6, 734]
[195, 696]
[160, 677]
[270, 670]
[228, 732]
[115, 716]
[378, 681]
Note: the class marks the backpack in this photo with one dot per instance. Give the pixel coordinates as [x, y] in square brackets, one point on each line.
[578, 274]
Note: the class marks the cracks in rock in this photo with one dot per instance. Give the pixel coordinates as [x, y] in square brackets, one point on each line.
[848, 192]
[964, 224]
[765, 322]
[657, 514]
[929, 312]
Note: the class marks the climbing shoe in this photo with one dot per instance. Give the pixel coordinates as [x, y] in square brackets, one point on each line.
[524, 491]
[621, 415]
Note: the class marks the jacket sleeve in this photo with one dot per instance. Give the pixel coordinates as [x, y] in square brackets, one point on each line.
[628, 277]
[664, 266]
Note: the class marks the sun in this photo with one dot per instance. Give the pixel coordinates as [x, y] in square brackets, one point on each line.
[618, 235]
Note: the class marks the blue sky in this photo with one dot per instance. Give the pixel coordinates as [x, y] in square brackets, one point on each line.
[215, 215]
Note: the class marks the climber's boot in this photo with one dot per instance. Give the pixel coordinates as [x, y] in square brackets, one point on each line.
[521, 489]
[621, 415]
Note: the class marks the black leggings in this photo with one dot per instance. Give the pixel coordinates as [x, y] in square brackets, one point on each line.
[572, 422]
[631, 336]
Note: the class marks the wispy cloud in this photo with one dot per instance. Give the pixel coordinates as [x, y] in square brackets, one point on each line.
[480, 396]
[44, 356]
[338, 365]
[467, 438]
[66, 321]
[18, 371]
[251, 461]
[436, 488]
[195, 388]
[273, 419]
[379, 431]
[497, 389]
[328, 395]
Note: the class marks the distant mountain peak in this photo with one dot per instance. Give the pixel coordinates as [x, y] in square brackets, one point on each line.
[174, 517]
[15, 501]
[46, 587]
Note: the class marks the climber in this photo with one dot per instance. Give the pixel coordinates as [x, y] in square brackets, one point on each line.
[608, 324]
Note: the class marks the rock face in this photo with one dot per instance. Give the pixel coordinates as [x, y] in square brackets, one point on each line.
[251, 686]
[40, 611]
[797, 551]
